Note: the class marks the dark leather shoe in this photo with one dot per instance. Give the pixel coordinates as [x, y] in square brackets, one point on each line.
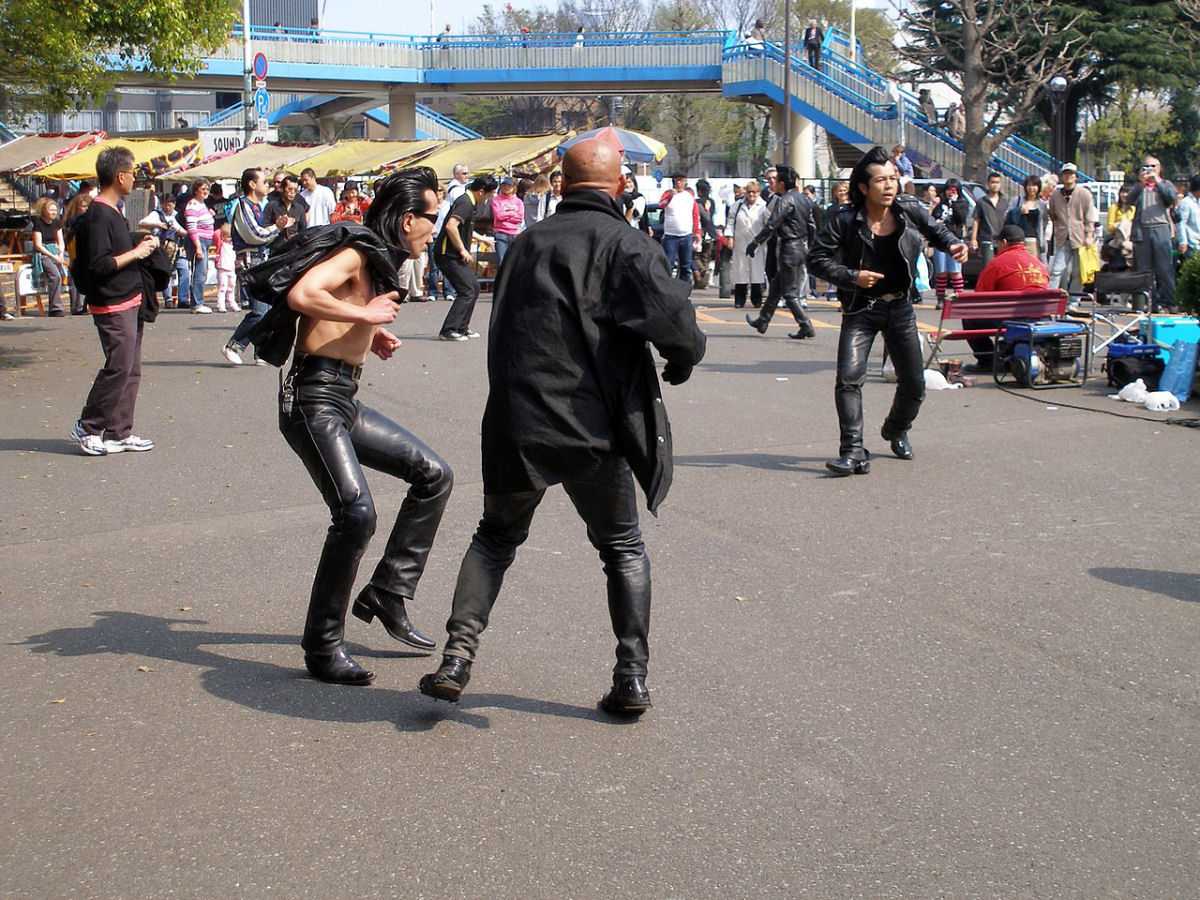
[803, 333]
[900, 445]
[629, 696]
[757, 323]
[848, 465]
[373, 602]
[448, 681]
[337, 667]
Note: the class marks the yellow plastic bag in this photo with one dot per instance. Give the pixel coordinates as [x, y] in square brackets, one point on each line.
[1089, 264]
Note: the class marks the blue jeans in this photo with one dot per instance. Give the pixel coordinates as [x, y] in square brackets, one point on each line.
[182, 279]
[502, 242]
[679, 247]
[199, 263]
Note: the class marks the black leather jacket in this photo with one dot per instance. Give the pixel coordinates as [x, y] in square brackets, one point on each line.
[790, 218]
[845, 245]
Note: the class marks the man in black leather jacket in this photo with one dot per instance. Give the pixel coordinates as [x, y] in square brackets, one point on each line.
[573, 399]
[869, 250]
[789, 229]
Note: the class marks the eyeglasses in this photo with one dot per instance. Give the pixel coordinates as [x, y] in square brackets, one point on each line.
[429, 217]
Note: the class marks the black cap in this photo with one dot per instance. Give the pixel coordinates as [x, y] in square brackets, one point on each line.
[1014, 234]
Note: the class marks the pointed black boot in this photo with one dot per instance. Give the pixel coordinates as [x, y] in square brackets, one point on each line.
[448, 682]
[389, 608]
[629, 696]
[848, 465]
[899, 441]
[759, 324]
[337, 667]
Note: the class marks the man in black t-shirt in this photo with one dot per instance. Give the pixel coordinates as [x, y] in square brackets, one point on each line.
[452, 252]
[108, 272]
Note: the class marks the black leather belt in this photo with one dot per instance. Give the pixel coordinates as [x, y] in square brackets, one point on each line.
[310, 362]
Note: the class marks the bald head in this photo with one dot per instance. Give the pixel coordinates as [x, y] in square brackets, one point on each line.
[593, 164]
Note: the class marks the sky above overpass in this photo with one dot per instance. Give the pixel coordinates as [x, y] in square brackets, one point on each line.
[399, 18]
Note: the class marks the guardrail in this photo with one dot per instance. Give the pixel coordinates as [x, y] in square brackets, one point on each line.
[445, 127]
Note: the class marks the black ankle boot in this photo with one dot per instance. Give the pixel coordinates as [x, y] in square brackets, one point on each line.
[629, 696]
[759, 324]
[374, 602]
[899, 441]
[337, 667]
[448, 681]
[848, 465]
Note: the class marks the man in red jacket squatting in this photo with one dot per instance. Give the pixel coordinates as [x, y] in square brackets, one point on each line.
[1013, 268]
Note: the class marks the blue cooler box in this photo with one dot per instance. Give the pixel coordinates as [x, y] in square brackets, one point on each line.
[1169, 329]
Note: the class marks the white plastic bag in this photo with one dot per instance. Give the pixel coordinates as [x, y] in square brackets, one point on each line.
[936, 381]
[1134, 392]
[1161, 401]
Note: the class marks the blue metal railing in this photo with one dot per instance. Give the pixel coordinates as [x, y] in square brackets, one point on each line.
[447, 123]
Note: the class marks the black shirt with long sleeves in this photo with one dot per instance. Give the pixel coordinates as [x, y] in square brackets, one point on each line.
[572, 381]
[101, 238]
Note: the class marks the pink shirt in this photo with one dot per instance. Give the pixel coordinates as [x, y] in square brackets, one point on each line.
[508, 214]
[199, 220]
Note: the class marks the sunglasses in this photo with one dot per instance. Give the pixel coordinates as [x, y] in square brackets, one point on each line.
[429, 217]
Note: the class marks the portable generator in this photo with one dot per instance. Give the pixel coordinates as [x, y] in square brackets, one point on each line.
[1042, 353]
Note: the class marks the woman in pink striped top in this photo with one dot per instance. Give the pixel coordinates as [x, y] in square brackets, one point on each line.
[199, 221]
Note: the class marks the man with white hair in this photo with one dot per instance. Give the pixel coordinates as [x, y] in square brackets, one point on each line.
[456, 185]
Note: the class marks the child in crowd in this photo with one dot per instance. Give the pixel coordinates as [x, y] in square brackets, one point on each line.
[226, 279]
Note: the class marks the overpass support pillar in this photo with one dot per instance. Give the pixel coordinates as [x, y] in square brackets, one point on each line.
[801, 155]
[402, 115]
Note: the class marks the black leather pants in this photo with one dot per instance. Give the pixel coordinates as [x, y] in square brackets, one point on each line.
[897, 321]
[465, 282]
[783, 275]
[335, 435]
[607, 503]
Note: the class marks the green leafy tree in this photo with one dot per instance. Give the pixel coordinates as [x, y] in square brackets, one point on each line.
[55, 57]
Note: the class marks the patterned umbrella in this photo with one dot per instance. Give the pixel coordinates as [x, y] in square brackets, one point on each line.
[636, 147]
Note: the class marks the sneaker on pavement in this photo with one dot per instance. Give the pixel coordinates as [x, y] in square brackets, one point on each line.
[77, 434]
[7, 317]
[260, 362]
[232, 355]
[133, 443]
[201, 308]
[452, 336]
[93, 445]
[470, 334]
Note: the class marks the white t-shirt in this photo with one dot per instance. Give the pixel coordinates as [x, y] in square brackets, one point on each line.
[454, 189]
[320, 205]
[678, 218]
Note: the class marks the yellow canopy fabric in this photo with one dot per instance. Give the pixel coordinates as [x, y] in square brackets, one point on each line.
[33, 150]
[261, 155]
[486, 155]
[365, 157]
[151, 158]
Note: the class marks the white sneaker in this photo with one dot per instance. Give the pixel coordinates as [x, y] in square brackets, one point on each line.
[77, 434]
[470, 334]
[8, 317]
[93, 445]
[260, 362]
[232, 355]
[202, 309]
[133, 442]
[452, 336]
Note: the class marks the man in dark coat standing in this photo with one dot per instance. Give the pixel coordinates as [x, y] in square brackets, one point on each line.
[574, 400]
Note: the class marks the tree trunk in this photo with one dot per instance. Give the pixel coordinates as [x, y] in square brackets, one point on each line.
[974, 98]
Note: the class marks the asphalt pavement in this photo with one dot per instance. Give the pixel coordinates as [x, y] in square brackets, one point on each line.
[974, 674]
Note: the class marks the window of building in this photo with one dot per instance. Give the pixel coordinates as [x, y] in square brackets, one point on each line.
[33, 123]
[193, 117]
[83, 120]
[136, 120]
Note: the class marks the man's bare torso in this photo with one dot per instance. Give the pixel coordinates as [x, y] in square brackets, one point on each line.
[347, 341]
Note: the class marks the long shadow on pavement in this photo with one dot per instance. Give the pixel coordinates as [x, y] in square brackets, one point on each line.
[1178, 585]
[60, 446]
[768, 461]
[280, 690]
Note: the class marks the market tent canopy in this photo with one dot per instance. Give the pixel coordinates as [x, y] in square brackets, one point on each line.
[362, 157]
[488, 155]
[35, 150]
[151, 158]
[261, 155]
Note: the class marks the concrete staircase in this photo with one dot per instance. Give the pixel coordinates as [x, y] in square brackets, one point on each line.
[10, 197]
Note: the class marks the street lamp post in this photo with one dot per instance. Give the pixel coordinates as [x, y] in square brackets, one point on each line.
[787, 81]
[1058, 130]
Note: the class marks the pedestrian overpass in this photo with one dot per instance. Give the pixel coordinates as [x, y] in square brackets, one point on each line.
[844, 97]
